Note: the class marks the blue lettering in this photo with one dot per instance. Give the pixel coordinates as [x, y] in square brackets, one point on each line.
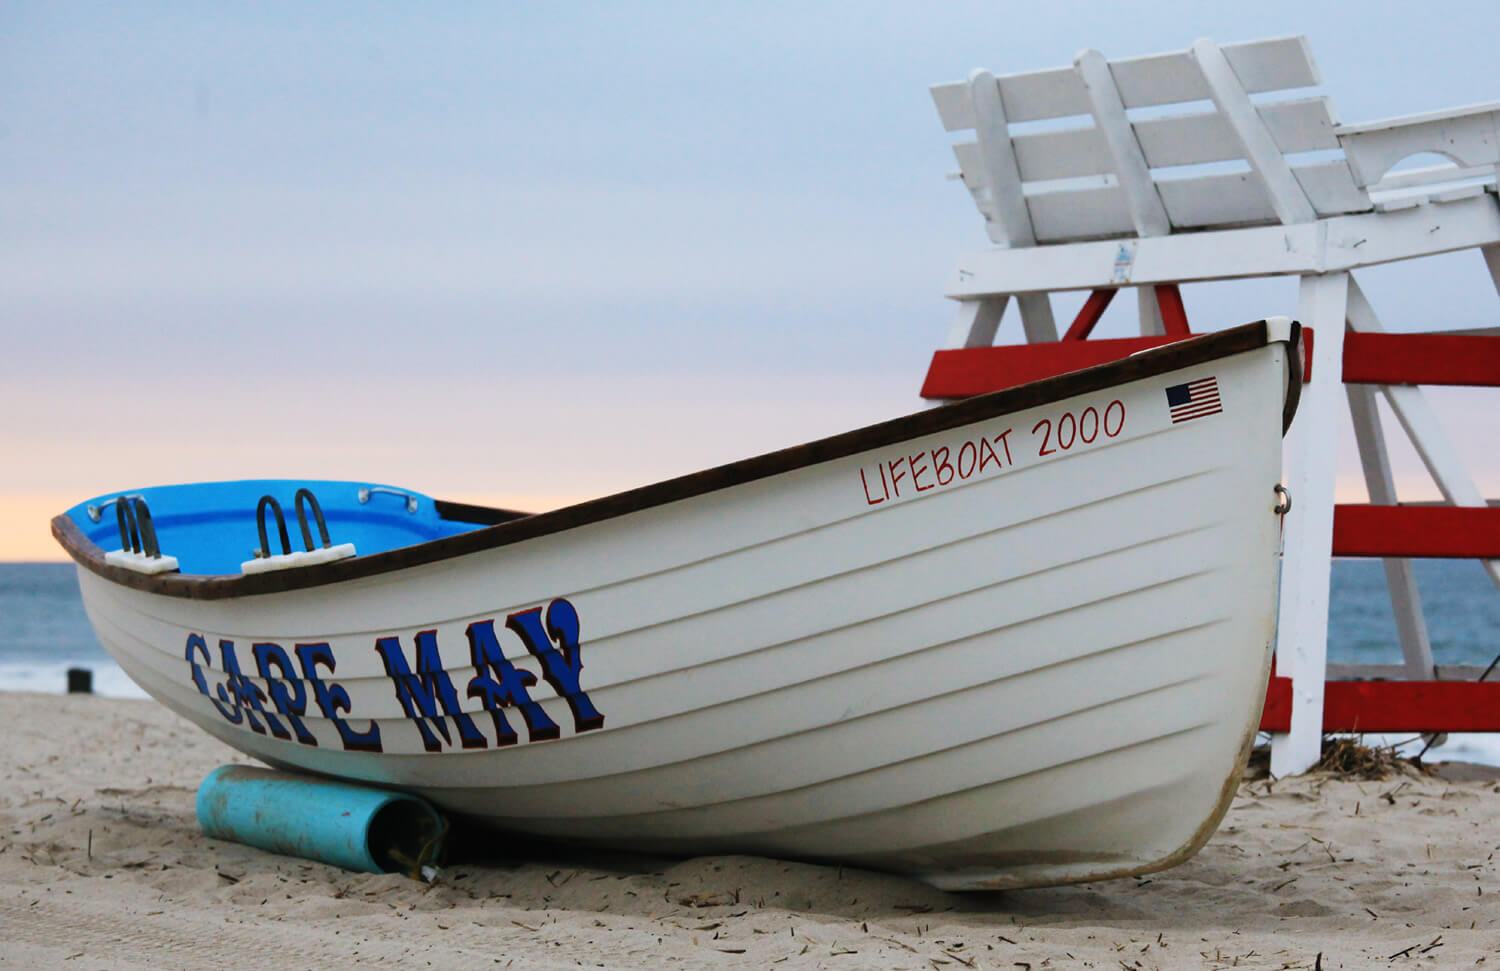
[196, 643]
[287, 693]
[247, 696]
[561, 664]
[332, 698]
[421, 693]
[508, 686]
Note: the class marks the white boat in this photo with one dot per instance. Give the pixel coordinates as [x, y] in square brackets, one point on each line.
[1018, 640]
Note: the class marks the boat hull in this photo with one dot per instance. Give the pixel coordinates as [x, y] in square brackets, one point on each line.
[1024, 650]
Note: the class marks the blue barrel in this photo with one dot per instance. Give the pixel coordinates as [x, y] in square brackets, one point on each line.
[349, 826]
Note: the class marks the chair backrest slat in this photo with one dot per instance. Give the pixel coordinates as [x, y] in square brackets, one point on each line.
[1303, 125]
[1095, 166]
[1094, 213]
[1158, 79]
[1236, 198]
[1056, 93]
[1065, 154]
[1276, 64]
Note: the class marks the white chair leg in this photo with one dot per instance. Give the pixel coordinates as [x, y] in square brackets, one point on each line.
[1302, 641]
[976, 322]
[1036, 317]
[1150, 312]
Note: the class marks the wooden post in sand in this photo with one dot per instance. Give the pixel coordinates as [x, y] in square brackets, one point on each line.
[80, 681]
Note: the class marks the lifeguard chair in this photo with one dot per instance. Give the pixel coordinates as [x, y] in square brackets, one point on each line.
[1137, 195]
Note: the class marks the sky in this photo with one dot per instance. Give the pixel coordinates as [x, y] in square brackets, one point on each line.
[533, 253]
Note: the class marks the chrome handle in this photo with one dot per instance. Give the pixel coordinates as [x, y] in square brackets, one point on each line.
[365, 492]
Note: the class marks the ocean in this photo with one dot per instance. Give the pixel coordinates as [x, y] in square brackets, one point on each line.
[47, 631]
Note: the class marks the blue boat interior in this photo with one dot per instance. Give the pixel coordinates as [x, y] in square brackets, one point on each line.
[212, 527]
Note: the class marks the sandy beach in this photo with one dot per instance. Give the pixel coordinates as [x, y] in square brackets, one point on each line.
[102, 865]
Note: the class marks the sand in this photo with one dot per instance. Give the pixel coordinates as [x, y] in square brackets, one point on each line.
[102, 865]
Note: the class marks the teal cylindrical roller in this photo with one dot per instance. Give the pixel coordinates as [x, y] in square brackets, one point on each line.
[350, 826]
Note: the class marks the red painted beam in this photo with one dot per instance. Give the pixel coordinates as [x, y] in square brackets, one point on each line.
[1411, 706]
[976, 370]
[1441, 531]
[1392, 706]
[1368, 358]
[1276, 716]
[1089, 314]
[1422, 359]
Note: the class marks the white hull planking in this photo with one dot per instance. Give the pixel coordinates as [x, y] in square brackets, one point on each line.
[1046, 672]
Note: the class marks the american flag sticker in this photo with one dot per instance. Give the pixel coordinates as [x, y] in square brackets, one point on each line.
[1196, 399]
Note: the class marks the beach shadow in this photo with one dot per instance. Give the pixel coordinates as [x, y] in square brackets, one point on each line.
[537, 872]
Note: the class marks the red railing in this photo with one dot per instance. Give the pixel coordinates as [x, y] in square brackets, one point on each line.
[1448, 359]
[1422, 359]
[1420, 531]
[1392, 706]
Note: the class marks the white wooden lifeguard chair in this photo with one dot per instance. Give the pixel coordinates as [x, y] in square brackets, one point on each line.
[1136, 194]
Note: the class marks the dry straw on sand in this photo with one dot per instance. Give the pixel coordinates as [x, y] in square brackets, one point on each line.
[1348, 757]
[102, 866]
